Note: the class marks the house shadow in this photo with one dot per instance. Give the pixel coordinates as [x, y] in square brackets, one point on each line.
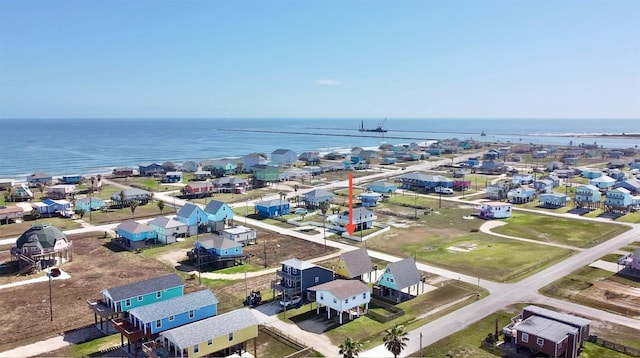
[9, 268]
[114, 247]
[315, 323]
[82, 334]
[579, 211]
[629, 274]
[611, 215]
[185, 266]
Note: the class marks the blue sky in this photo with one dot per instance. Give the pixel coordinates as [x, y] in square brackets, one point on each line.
[371, 59]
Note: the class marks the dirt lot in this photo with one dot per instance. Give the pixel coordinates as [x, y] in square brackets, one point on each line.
[624, 297]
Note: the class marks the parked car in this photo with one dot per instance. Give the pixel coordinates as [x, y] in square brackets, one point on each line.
[295, 301]
[443, 190]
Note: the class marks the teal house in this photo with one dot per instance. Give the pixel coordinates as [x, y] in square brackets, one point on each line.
[618, 200]
[399, 276]
[126, 297]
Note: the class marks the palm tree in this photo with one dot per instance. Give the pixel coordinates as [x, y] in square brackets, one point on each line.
[133, 205]
[395, 339]
[324, 207]
[81, 212]
[122, 199]
[350, 348]
[161, 206]
[283, 196]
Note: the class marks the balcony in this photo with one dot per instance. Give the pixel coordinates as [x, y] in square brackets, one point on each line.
[288, 276]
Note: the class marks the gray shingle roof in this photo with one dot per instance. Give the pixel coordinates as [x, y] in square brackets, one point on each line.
[545, 328]
[405, 272]
[298, 264]
[134, 227]
[357, 262]
[186, 210]
[271, 203]
[165, 222]
[342, 289]
[561, 317]
[214, 241]
[210, 328]
[318, 195]
[140, 288]
[174, 306]
[214, 206]
[46, 234]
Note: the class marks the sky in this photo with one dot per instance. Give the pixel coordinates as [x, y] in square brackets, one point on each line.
[320, 59]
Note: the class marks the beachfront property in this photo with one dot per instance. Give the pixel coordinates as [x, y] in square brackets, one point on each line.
[167, 229]
[284, 157]
[39, 179]
[21, 193]
[296, 276]
[122, 172]
[89, 204]
[618, 201]
[272, 208]
[240, 234]
[133, 235]
[216, 251]
[354, 264]
[494, 210]
[548, 332]
[7, 184]
[41, 246]
[151, 169]
[264, 174]
[224, 335]
[132, 194]
[362, 218]
[220, 167]
[61, 191]
[310, 158]
[253, 159]
[521, 195]
[382, 187]
[10, 213]
[555, 200]
[71, 179]
[397, 277]
[342, 296]
[219, 214]
[313, 198]
[195, 218]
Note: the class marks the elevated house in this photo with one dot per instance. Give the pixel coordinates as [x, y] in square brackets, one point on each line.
[133, 235]
[296, 276]
[603, 183]
[342, 296]
[199, 189]
[230, 184]
[40, 246]
[554, 199]
[195, 218]
[314, 197]
[547, 332]
[397, 277]
[631, 263]
[122, 172]
[496, 191]
[21, 193]
[264, 174]
[587, 197]
[424, 182]
[151, 169]
[189, 166]
[221, 335]
[10, 213]
[494, 210]
[168, 230]
[295, 174]
[631, 184]
[273, 208]
[253, 159]
[543, 185]
[132, 194]
[521, 195]
[217, 251]
[492, 166]
[284, 157]
[172, 177]
[39, 179]
[240, 234]
[591, 173]
[219, 215]
[369, 198]
[618, 201]
[89, 204]
[201, 174]
[362, 218]
[382, 187]
[616, 174]
[61, 191]
[7, 184]
[71, 179]
[310, 158]
[220, 167]
[354, 264]
[49, 207]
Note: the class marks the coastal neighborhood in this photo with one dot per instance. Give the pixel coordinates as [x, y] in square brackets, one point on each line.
[253, 248]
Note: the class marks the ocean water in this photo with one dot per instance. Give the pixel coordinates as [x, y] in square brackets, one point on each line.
[91, 146]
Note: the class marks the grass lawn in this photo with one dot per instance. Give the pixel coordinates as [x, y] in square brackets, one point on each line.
[16, 229]
[564, 231]
[117, 215]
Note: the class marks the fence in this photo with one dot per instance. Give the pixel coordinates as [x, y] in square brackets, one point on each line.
[614, 346]
[395, 311]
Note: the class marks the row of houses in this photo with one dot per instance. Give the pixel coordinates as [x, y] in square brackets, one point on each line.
[158, 317]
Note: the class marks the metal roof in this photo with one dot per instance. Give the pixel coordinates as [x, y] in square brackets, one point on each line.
[545, 328]
[342, 289]
[140, 288]
[174, 306]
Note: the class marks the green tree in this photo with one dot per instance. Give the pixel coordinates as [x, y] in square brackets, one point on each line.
[122, 201]
[395, 339]
[133, 205]
[324, 207]
[81, 212]
[161, 206]
[282, 196]
[350, 348]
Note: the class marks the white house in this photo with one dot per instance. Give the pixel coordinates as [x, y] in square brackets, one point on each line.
[168, 229]
[342, 296]
[284, 157]
[240, 234]
[494, 210]
[61, 191]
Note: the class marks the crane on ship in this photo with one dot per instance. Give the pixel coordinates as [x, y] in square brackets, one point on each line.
[378, 129]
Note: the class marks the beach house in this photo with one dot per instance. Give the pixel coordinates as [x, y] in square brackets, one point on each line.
[284, 157]
[397, 277]
[195, 218]
[168, 230]
[342, 296]
[494, 210]
[272, 208]
[219, 214]
[354, 264]
[314, 197]
[296, 276]
[134, 235]
[618, 201]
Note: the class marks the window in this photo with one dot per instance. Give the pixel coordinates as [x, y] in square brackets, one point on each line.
[525, 337]
[210, 342]
[540, 341]
[171, 318]
[321, 297]
[560, 345]
[158, 323]
[317, 279]
[335, 301]
[139, 298]
[346, 300]
[364, 295]
[127, 302]
[195, 349]
[191, 314]
[230, 336]
[159, 294]
[353, 298]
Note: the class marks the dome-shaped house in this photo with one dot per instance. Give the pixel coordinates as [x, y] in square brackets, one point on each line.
[42, 245]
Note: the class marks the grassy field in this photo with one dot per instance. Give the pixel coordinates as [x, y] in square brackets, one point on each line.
[570, 232]
[16, 229]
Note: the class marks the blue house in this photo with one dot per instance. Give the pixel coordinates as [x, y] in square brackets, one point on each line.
[161, 316]
[134, 235]
[370, 199]
[90, 204]
[522, 179]
[472, 162]
[296, 276]
[193, 216]
[554, 199]
[272, 208]
[616, 174]
[618, 200]
[150, 169]
[591, 173]
[382, 187]
[521, 195]
[543, 185]
[50, 207]
[219, 246]
[39, 179]
[587, 196]
[491, 166]
[172, 177]
[604, 182]
[219, 214]
[425, 182]
[71, 179]
[398, 276]
[632, 184]
[313, 198]
[491, 154]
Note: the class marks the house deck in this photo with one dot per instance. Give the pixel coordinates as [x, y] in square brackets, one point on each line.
[127, 329]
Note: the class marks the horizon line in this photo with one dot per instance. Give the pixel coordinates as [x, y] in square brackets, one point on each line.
[327, 118]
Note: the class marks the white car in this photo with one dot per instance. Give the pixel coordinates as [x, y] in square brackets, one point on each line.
[443, 190]
[295, 301]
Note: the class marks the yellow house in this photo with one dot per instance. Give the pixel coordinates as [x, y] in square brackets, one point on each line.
[354, 264]
[227, 332]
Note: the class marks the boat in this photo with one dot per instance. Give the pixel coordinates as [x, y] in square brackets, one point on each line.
[378, 129]
[483, 134]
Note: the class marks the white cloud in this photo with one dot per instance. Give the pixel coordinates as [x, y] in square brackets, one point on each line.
[327, 82]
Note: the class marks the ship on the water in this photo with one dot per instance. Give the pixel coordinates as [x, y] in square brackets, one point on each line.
[378, 129]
